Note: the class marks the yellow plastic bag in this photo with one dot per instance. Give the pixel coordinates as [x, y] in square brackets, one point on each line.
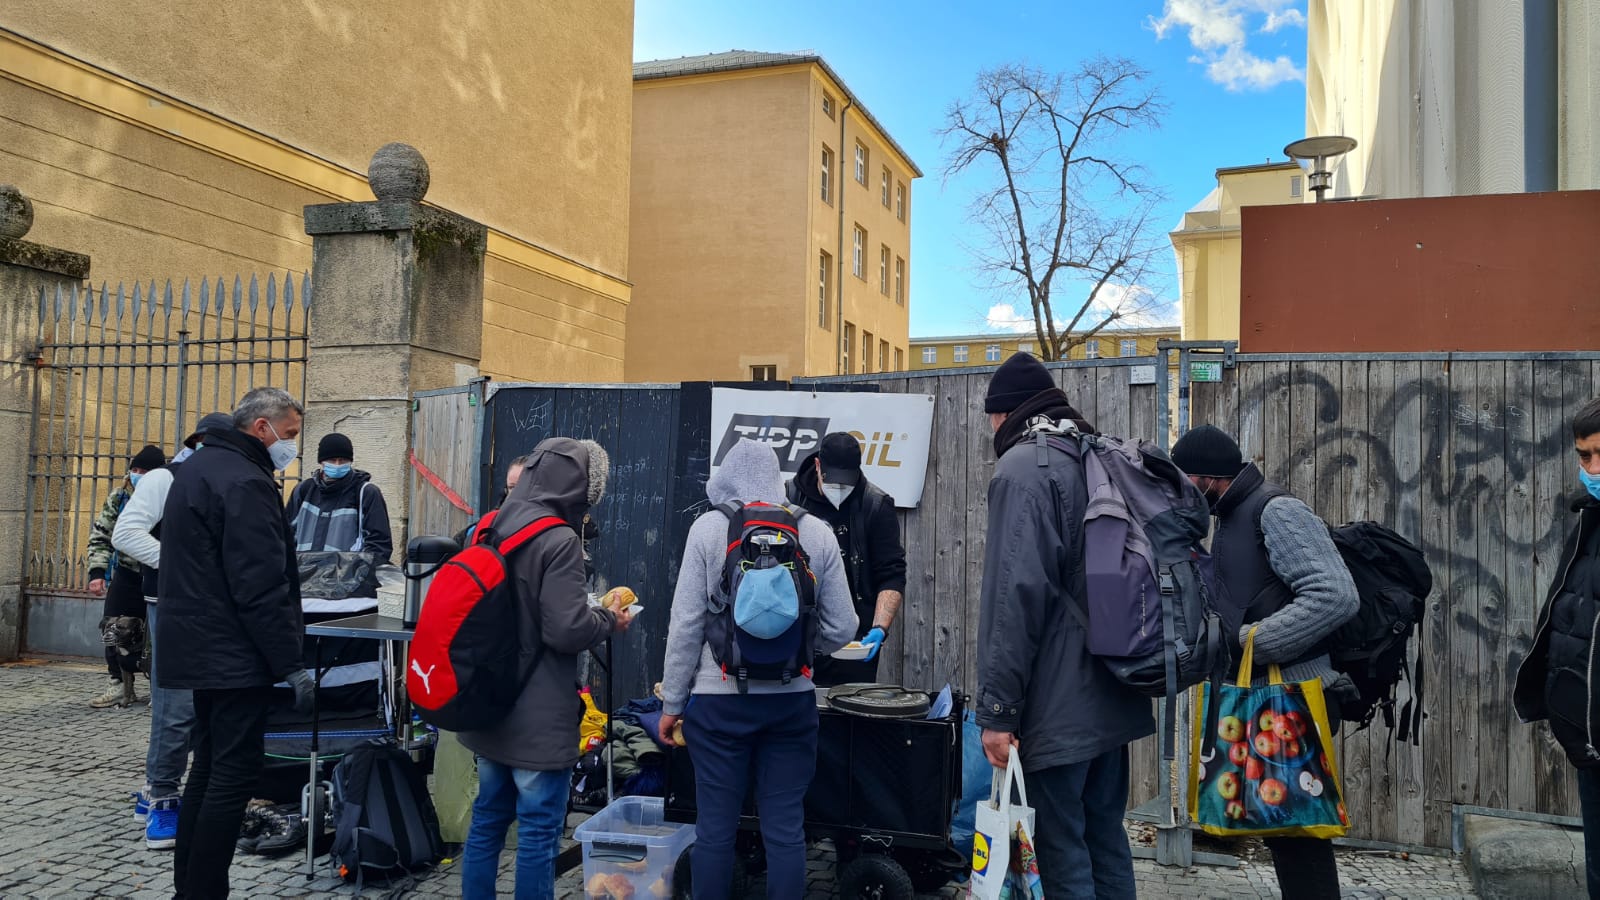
[592, 730]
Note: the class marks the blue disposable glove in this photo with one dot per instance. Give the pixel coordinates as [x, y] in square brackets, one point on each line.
[873, 640]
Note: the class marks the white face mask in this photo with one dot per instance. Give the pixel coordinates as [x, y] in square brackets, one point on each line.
[282, 452]
[837, 493]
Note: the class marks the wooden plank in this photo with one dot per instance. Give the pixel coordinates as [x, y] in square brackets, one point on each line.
[1404, 418]
[1144, 782]
[1307, 387]
[1465, 592]
[1078, 383]
[1487, 489]
[951, 423]
[1276, 446]
[1252, 413]
[979, 447]
[1226, 415]
[891, 661]
[917, 614]
[1438, 733]
[1521, 605]
[1112, 415]
[1367, 778]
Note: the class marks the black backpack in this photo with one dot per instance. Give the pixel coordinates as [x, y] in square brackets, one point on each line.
[384, 821]
[1393, 579]
[763, 621]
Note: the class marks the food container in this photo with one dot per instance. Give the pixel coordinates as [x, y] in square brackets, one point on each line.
[855, 650]
[630, 850]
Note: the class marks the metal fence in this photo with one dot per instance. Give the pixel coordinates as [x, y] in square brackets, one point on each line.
[127, 366]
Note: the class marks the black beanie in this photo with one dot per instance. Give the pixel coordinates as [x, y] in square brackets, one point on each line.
[149, 458]
[335, 446]
[1016, 382]
[1208, 451]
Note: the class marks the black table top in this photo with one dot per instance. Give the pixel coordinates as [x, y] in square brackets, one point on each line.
[371, 626]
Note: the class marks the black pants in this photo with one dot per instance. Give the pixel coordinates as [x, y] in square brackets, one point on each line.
[1305, 866]
[124, 597]
[229, 732]
[1589, 806]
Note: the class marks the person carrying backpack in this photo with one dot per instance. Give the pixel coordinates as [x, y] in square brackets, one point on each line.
[1040, 688]
[761, 592]
[1555, 680]
[525, 760]
[1284, 577]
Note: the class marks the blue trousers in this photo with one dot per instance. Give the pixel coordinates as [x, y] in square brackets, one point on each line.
[171, 726]
[1082, 847]
[767, 739]
[538, 803]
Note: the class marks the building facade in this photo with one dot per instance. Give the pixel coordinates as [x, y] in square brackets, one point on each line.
[961, 351]
[1207, 243]
[770, 223]
[183, 139]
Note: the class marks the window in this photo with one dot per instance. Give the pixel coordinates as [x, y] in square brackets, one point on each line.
[827, 175]
[899, 360]
[883, 356]
[930, 355]
[991, 353]
[824, 272]
[961, 353]
[849, 332]
[1294, 185]
[1128, 348]
[763, 373]
[827, 106]
[885, 189]
[900, 201]
[1091, 349]
[883, 270]
[900, 281]
[859, 243]
[1024, 346]
[866, 352]
[861, 163]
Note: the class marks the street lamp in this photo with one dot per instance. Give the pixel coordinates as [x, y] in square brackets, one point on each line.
[1317, 151]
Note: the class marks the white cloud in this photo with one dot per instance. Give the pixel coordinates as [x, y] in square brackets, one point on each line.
[1004, 317]
[1217, 28]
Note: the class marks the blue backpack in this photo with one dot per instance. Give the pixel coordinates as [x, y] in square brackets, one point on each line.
[763, 616]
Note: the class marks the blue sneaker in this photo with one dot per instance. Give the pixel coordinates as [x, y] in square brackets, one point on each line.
[141, 806]
[161, 831]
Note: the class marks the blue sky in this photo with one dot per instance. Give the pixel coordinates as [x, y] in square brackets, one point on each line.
[1231, 72]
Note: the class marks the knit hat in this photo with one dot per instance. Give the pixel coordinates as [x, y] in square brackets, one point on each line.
[335, 446]
[1016, 381]
[841, 458]
[217, 421]
[1208, 451]
[148, 458]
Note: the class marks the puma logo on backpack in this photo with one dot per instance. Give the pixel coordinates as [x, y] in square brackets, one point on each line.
[763, 616]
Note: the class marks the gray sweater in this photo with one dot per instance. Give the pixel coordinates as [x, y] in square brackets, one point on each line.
[749, 473]
[1302, 554]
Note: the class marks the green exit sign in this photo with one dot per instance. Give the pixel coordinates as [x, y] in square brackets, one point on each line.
[1205, 371]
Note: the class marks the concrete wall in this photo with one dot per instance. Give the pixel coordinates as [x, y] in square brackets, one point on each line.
[1492, 272]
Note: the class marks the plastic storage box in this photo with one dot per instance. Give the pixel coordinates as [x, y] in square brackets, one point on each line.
[630, 850]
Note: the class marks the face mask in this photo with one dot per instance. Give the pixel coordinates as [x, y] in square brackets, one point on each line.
[283, 452]
[1590, 482]
[336, 472]
[837, 493]
[133, 478]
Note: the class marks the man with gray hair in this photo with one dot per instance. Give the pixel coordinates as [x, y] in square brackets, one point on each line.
[230, 624]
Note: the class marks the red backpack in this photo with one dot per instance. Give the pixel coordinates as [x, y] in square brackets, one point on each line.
[467, 666]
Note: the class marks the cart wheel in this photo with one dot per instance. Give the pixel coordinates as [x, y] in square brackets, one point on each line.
[683, 885]
[875, 877]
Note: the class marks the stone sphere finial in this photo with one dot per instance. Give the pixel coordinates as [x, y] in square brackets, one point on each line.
[16, 213]
[398, 172]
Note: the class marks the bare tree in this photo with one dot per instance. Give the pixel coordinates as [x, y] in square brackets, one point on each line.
[1066, 220]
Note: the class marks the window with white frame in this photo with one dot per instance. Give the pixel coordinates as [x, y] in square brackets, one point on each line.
[900, 281]
[1091, 349]
[900, 201]
[827, 106]
[763, 373]
[930, 355]
[1294, 186]
[824, 272]
[849, 332]
[884, 191]
[1127, 348]
[859, 244]
[827, 175]
[1024, 346]
[883, 270]
[961, 353]
[991, 353]
[866, 352]
[861, 163]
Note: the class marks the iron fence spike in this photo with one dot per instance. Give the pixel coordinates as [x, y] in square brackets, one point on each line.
[105, 304]
[272, 294]
[186, 299]
[305, 290]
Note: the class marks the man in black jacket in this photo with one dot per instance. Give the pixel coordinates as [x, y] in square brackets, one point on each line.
[831, 487]
[230, 624]
[338, 507]
[1040, 691]
[1554, 680]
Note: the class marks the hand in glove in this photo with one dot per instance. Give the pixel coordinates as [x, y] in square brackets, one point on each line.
[873, 642]
[304, 689]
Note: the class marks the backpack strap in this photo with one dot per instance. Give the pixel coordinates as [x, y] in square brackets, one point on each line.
[481, 531]
[529, 532]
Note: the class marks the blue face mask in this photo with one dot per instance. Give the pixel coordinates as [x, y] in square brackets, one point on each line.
[336, 472]
[1591, 482]
[133, 478]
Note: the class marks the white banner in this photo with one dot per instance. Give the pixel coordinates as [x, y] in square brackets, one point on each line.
[894, 430]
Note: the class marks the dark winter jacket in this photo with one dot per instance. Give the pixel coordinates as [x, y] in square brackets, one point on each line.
[1036, 677]
[1555, 680]
[541, 731]
[868, 532]
[342, 514]
[230, 589]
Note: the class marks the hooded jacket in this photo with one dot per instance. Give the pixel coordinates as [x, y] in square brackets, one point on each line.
[541, 730]
[1036, 676]
[230, 589]
[1556, 679]
[102, 556]
[344, 514]
[868, 532]
[748, 473]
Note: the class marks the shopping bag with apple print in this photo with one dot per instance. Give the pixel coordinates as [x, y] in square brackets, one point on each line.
[1268, 766]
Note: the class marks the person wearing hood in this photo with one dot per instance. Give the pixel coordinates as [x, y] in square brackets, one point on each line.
[525, 762]
[831, 486]
[1041, 693]
[338, 507]
[137, 536]
[742, 726]
[122, 620]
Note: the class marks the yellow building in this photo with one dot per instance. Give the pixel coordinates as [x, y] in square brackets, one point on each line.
[182, 139]
[1208, 243]
[992, 349]
[770, 226]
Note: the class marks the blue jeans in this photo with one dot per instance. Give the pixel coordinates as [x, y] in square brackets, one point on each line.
[171, 727]
[1082, 848]
[768, 738]
[538, 803]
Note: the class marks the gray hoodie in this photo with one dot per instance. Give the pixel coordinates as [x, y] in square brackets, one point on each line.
[749, 473]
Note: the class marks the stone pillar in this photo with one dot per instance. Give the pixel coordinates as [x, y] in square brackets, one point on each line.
[25, 269]
[397, 307]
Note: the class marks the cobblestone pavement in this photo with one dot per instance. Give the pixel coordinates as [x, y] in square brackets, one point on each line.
[67, 830]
